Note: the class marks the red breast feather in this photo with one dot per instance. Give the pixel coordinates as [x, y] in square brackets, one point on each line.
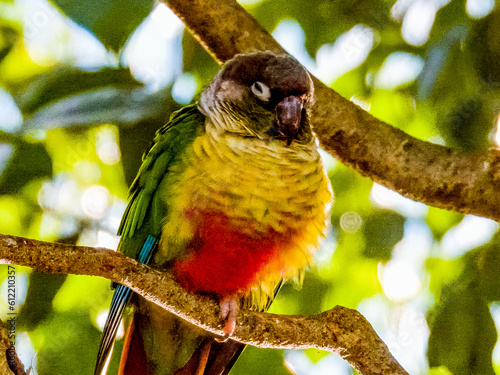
[224, 260]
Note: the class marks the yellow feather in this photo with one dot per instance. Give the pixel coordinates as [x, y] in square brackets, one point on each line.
[263, 182]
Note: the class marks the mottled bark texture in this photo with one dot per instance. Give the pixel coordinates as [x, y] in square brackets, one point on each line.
[426, 172]
[9, 362]
[339, 330]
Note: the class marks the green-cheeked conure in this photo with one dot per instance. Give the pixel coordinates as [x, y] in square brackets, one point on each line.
[231, 198]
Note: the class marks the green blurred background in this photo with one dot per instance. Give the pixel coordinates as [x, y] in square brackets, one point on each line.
[84, 86]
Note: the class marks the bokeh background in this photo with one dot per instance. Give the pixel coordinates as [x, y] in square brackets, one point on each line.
[84, 86]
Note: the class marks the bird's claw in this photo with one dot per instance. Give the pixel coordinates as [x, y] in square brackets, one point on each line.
[222, 338]
[229, 309]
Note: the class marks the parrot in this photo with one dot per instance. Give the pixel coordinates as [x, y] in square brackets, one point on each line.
[231, 199]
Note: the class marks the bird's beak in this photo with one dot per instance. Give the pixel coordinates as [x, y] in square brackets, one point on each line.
[288, 115]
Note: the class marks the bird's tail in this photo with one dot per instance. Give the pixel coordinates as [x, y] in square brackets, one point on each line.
[134, 358]
[158, 342]
[120, 300]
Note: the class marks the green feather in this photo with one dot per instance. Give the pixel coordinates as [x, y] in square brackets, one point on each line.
[142, 222]
[148, 207]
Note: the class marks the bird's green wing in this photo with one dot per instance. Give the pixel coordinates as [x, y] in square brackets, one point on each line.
[147, 209]
[141, 225]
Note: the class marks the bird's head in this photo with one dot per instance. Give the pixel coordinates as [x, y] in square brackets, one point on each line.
[261, 95]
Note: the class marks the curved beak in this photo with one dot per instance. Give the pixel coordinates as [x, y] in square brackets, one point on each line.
[288, 115]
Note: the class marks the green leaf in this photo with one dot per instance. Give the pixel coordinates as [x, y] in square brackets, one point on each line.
[111, 21]
[440, 221]
[104, 105]
[197, 61]
[29, 161]
[468, 126]
[351, 191]
[6, 151]
[258, 361]
[45, 88]
[383, 229]
[316, 355]
[65, 344]
[42, 288]
[463, 333]
[486, 262]
[68, 97]
[442, 370]
[331, 17]
[484, 46]
[306, 301]
[439, 61]
[8, 38]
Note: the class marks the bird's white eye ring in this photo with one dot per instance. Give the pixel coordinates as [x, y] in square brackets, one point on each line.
[261, 91]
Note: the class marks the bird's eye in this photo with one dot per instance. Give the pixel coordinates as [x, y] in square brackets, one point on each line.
[261, 91]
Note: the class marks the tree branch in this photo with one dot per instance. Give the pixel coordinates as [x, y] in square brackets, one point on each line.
[5, 356]
[426, 172]
[9, 362]
[339, 330]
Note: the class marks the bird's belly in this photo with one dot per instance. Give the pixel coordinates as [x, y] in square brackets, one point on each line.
[225, 260]
[241, 218]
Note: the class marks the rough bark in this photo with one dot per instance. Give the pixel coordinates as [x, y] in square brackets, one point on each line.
[425, 172]
[9, 362]
[339, 330]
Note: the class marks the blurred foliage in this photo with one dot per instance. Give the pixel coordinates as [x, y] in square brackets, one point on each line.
[29, 161]
[111, 21]
[331, 17]
[463, 332]
[72, 134]
[382, 230]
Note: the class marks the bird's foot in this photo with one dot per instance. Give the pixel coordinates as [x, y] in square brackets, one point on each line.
[229, 308]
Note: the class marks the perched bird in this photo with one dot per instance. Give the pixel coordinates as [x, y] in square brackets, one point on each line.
[231, 198]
